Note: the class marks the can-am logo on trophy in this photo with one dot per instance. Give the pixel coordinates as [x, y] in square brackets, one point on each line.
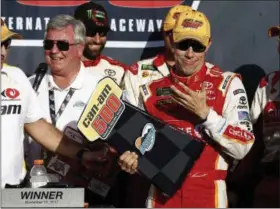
[147, 140]
[146, 4]
[51, 3]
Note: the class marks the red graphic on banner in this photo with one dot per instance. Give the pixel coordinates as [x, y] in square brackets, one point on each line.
[57, 3]
[145, 4]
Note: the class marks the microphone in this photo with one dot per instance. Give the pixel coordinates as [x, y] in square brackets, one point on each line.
[40, 73]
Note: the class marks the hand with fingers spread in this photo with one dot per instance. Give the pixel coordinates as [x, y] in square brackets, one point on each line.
[128, 162]
[191, 100]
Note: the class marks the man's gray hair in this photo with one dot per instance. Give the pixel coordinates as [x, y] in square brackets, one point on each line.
[62, 21]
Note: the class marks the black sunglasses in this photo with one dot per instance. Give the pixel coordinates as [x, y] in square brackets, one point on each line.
[186, 44]
[6, 43]
[101, 32]
[61, 45]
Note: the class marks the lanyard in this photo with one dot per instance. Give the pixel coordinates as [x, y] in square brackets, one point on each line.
[56, 116]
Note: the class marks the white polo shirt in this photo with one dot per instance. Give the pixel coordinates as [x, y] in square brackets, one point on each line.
[83, 86]
[19, 105]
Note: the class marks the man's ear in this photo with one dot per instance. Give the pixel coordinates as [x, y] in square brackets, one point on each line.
[81, 48]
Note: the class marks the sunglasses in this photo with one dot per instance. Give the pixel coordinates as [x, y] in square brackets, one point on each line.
[101, 33]
[6, 43]
[186, 44]
[61, 45]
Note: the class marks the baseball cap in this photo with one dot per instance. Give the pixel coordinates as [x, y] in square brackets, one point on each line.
[6, 33]
[172, 16]
[274, 31]
[92, 15]
[192, 25]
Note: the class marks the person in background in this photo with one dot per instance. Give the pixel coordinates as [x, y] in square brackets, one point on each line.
[96, 21]
[205, 103]
[20, 110]
[265, 114]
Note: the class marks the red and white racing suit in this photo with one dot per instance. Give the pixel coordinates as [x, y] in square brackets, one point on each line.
[143, 72]
[267, 103]
[107, 67]
[227, 132]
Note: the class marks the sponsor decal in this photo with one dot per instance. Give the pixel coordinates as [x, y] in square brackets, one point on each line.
[11, 109]
[110, 72]
[206, 85]
[147, 140]
[238, 91]
[210, 95]
[191, 23]
[151, 4]
[232, 132]
[145, 74]
[145, 90]
[243, 115]
[226, 82]
[52, 3]
[240, 107]
[245, 122]
[165, 91]
[79, 104]
[243, 100]
[148, 67]
[10, 94]
[162, 102]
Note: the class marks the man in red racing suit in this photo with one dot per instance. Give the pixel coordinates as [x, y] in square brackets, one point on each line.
[206, 103]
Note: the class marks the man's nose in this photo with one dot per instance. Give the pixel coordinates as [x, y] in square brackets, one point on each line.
[54, 49]
[189, 52]
[97, 38]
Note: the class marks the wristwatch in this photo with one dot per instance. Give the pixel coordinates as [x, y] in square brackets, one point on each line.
[81, 152]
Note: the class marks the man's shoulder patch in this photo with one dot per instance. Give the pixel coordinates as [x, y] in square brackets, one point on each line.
[148, 67]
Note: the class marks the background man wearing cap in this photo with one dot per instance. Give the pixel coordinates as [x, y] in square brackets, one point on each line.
[95, 19]
[20, 110]
[265, 114]
[206, 103]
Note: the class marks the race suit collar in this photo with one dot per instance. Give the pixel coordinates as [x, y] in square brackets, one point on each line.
[89, 63]
[197, 77]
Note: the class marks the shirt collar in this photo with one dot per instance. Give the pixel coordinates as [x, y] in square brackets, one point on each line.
[161, 65]
[78, 82]
[197, 77]
[89, 63]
